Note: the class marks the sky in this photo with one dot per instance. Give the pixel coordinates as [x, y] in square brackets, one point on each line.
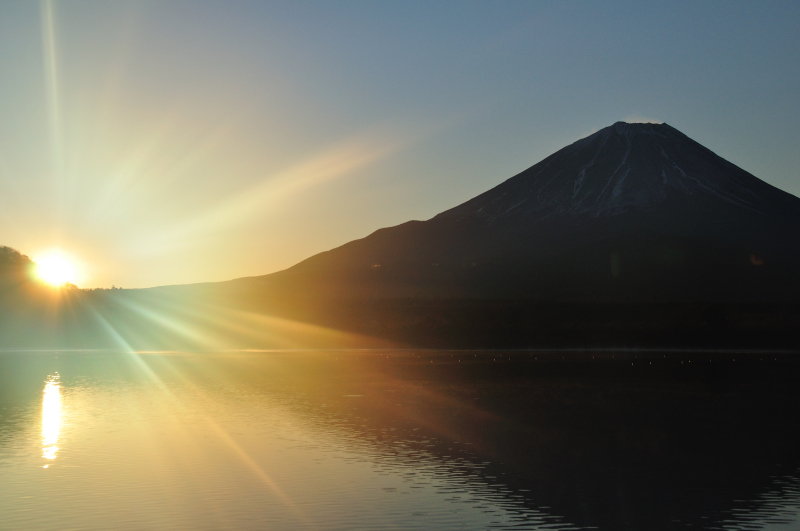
[172, 142]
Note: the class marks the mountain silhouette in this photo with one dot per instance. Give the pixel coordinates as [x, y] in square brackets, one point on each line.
[633, 213]
[635, 236]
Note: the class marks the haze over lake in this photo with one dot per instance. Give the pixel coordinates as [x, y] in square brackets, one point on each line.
[399, 440]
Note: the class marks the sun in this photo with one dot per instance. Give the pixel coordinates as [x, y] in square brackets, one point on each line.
[55, 269]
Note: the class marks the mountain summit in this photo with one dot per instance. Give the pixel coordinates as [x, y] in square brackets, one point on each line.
[622, 168]
[634, 212]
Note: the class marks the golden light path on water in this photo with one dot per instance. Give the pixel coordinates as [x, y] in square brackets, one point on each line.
[51, 417]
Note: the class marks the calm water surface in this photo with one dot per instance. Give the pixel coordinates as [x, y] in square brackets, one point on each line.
[399, 440]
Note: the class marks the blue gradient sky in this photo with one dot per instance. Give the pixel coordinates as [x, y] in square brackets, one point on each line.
[173, 142]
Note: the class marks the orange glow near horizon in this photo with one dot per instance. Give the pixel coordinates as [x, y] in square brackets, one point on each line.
[55, 268]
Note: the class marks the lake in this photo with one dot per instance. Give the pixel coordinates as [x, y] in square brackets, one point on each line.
[407, 439]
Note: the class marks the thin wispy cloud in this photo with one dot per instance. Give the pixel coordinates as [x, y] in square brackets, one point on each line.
[274, 190]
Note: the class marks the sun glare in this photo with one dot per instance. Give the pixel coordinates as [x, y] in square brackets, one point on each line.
[51, 417]
[55, 269]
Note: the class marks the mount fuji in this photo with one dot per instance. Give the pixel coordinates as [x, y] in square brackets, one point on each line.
[636, 212]
[634, 236]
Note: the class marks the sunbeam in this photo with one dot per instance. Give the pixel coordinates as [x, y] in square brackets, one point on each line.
[221, 433]
[273, 190]
[53, 109]
[168, 321]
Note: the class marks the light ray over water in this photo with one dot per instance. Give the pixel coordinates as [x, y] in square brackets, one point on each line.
[51, 417]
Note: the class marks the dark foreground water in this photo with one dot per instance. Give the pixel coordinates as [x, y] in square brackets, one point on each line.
[399, 440]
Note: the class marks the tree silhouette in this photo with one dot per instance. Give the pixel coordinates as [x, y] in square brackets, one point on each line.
[15, 267]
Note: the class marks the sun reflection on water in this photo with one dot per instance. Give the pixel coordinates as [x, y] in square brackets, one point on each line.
[51, 416]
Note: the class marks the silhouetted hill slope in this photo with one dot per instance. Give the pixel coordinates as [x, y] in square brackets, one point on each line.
[634, 212]
[26, 308]
[15, 268]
